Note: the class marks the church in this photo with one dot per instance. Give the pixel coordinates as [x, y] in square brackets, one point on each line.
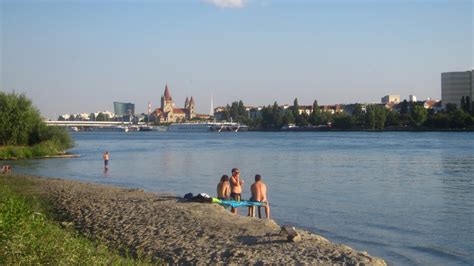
[168, 113]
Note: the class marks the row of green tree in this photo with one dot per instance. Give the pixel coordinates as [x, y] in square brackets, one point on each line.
[372, 117]
[21, 124]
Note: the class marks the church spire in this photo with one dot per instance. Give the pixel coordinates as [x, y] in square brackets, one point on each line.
[167, 93]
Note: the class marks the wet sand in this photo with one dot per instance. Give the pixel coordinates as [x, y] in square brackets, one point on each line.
[163, 226]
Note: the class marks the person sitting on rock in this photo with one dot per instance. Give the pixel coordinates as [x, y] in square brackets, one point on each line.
[259, 194]
[223, 188]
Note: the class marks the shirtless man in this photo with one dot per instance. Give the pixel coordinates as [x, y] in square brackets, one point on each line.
[106, 157]
[259, 193]
[236, 187]
[223, 188]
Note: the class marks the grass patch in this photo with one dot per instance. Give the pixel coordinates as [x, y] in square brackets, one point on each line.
[45, 148]
[30, 235]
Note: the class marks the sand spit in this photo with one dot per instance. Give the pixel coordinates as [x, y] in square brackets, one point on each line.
[178, 232]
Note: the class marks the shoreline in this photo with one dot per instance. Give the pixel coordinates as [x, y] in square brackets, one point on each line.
[162, 226]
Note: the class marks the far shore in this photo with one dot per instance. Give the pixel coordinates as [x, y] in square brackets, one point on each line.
[178, 232]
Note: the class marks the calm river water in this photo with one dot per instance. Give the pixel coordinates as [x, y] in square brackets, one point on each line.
[406, 197]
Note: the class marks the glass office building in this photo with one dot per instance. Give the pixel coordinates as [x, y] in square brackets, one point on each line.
[455, 85]
[121, 109]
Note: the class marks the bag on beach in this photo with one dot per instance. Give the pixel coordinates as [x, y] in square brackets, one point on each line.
[203, 198]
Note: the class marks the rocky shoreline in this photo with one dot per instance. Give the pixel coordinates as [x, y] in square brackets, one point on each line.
[166, 228]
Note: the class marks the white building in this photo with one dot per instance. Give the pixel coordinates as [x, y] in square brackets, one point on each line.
[391, 99]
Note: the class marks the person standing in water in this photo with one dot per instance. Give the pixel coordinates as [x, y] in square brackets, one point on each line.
[236, 187]
[106, 158]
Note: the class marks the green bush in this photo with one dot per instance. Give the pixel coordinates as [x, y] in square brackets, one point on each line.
[21, 125]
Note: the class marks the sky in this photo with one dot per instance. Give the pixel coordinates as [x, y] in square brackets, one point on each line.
[76, 56]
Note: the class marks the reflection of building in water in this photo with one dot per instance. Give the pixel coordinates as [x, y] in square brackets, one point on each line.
[168, 113]
[457, 192]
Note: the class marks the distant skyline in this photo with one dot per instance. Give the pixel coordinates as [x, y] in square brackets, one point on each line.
[80, 56]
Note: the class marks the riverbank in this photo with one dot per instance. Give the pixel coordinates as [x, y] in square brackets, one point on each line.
[161, 226]
[30, 234]
[47, 149]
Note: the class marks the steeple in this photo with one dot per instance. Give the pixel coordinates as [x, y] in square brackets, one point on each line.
[212, 107]
[167, 93]
[186, 103]
[191, 102]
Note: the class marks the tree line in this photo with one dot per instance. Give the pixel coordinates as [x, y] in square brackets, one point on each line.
[411, 115]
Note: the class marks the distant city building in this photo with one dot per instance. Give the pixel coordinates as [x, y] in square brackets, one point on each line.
[255, 112]
[412, 98]
[455, 85]
[434, 105]
[391, 99]
[168, 113]
[64, 117]
[122, 109]
[332, 109]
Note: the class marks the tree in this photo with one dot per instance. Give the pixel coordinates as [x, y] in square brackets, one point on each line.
[342, 121]
[267, 117]
[393, 119]
[404, 107]
[288, 117]
[18, 119]
[21, 124]
[315, 117]
[296, 108]
[102, 117]
[438, 120]
[277, 116]
[419, 115]
[459, 119]
[357, 115]
[450, 107]
[376, 116]
[302, 120]
[468, 104]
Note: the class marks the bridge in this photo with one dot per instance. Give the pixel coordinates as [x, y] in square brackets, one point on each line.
[86, 123]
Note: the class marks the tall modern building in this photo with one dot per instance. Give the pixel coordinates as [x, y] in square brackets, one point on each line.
[122, 109]
[455, 85]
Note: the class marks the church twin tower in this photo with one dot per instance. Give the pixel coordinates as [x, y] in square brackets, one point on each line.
[168, 113]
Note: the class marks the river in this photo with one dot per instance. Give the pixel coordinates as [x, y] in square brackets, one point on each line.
[407, 197]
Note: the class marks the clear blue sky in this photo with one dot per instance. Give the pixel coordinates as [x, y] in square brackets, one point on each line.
[79, 56]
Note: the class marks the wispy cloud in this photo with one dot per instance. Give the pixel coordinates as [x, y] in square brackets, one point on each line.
[226, 3]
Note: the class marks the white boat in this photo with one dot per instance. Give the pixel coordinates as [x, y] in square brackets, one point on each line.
[189, 127]
[111, 129]
[207, 127]
[228, 127]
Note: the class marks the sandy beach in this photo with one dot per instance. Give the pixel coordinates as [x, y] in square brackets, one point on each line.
[165, 227]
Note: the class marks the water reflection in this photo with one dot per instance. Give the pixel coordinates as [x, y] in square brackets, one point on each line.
[393, 194]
